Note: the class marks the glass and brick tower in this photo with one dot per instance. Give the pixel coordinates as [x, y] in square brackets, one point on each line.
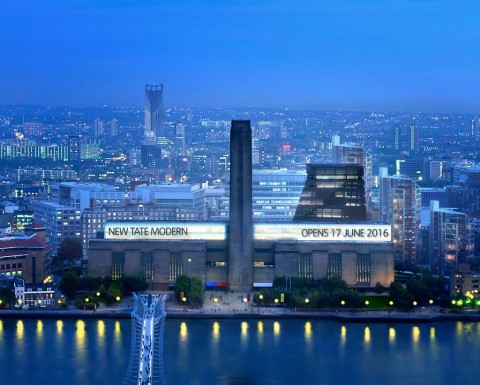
[400, 206]
[351, 154]
[153, 112]
[451, 238]
[332, 193]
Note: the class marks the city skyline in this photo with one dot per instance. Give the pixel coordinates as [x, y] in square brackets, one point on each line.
[384, 55]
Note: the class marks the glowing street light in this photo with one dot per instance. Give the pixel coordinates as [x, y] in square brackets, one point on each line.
[430, 302]
[342, 302]
[367, 303]
[391, 303]
[98, 294]
[184, 299]
[414, 303]
[276, 300]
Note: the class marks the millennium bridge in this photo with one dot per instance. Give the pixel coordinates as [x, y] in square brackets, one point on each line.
[146, 366]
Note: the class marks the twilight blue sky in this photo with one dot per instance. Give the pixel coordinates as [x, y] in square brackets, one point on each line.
[356, 54]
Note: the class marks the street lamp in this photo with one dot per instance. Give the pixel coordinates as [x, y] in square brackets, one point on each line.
[118, 299]
[342, 302]
[260, 298]
[189, 260]
[367, 303]
[414, 303]
[430, 302]
[245, 302]
[276, 300]
[391, 303]
[98, 294]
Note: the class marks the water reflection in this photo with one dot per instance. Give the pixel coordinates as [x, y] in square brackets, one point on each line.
[215, 331]
[20, 329]
[308, 332]
[260, 327]
[432, 334]
[59, 325]
[416, 335]
[101, 328]
[1, 327]
[80, 333]
[183, 331]
[276, 328]
[39, 328]
[391, 335]
[343, 335]
[366, 336]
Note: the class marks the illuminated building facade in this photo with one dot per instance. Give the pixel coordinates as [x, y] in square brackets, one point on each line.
[451, 238]
[153, 110]
[240, 255]
[332, 193]
[400, 206]
[351, 154]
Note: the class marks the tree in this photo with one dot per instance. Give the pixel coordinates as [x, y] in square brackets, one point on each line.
[400, 296]
[136, 284]
[182, 285]
[419, 291]
[7, 297]
[70, 251]
[69, 284]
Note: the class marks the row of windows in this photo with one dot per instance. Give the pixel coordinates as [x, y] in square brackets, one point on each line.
[9, 266]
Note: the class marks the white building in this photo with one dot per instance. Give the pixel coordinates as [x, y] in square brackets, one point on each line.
[60, 222]
[176, 195]
[275, 195]
[83, 195]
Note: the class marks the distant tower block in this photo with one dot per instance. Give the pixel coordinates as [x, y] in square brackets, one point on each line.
[153, 110]
[241, 224]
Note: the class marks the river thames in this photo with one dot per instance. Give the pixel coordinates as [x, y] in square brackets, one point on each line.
[250, 352]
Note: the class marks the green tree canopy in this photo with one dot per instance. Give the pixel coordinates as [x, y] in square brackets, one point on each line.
[70, 251]
[69, 284]
[7, 296]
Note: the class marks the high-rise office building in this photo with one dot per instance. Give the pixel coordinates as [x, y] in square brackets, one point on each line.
[180, 138]
[153, 111]
[400, 206]
[114, 127]
[74, 146]
[397, 138]
[451, 238]
[99, 128]
[475, 127]
[332, 193]
[351, 154]
[413, 138]
[411, 167]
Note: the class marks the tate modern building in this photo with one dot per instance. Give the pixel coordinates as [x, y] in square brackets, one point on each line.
[328, 238]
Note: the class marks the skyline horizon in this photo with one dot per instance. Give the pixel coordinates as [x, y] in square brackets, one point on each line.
[372, 109]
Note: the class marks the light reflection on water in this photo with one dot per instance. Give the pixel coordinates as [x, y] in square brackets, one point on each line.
[391, 335]
[39, 329]
[253, 352]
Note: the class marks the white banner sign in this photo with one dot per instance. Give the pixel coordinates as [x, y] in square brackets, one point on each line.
[165, 231]
[323, 232]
